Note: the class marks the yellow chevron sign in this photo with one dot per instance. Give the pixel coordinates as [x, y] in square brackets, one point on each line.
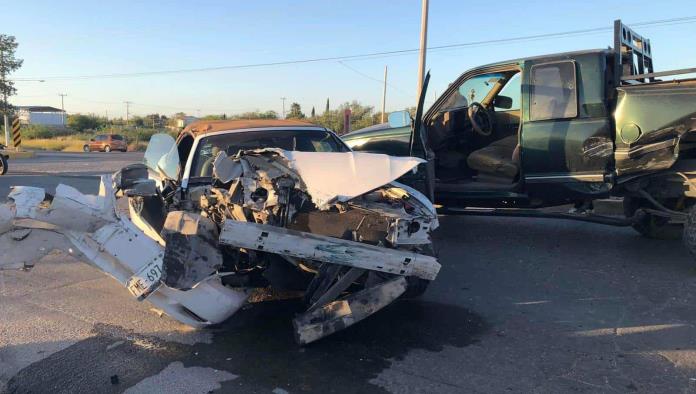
[16, 135]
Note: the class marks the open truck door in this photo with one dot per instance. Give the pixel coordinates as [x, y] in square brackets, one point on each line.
[423, 179]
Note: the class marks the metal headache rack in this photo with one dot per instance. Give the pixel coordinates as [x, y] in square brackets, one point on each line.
[634, 62]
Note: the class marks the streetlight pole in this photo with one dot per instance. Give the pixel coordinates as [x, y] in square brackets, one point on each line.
[62, 106]
[423, 47]
[384, 94]
[283, 98]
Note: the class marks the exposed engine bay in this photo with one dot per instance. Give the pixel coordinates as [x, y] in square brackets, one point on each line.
[268, 225]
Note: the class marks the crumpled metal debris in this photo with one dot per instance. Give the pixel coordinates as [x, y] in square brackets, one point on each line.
[266, 221]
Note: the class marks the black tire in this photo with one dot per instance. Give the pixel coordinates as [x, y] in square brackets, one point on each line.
[689, 234]
[3, 165]
[415, 286]
[651, 226]
[107, 149]
[86, 148]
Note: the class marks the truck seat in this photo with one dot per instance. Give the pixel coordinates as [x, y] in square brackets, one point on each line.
[497, 158]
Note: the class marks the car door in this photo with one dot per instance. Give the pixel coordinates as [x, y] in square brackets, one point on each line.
[423, 179]
[96, 142]
[566, 143]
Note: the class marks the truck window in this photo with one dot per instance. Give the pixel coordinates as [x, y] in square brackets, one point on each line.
[554, 94]
[513, 90]
[472, 90]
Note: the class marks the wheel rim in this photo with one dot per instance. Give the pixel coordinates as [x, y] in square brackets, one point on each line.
[85, 148]
[107, 149]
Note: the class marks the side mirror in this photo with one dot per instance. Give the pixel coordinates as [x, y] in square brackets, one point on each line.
[399, 119]
[503, 102]
[162, 156]
[143, 188]
[129, 175]
[91, 140]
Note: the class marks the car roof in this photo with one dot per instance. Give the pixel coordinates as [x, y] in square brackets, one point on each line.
[210, 126]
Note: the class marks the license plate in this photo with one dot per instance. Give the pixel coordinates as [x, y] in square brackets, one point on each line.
[145, 281]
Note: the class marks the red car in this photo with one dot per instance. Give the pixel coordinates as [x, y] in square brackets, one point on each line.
[106, 143]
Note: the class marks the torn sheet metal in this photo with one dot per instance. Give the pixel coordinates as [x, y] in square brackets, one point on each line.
[117, 247]
[337, 315]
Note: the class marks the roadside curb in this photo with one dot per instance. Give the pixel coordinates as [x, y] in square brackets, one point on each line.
[18, 155]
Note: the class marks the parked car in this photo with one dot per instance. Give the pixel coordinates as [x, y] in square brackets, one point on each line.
[232, 210]
[566, 128]
[106, 143]
[3, 160]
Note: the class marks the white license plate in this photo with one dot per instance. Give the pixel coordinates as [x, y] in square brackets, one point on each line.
[145, 281]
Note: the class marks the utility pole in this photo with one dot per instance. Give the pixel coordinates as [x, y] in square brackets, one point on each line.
[128, 103]
[423, 47]
[283, 98]
[62, 107]
[4, 100]
[384, 94]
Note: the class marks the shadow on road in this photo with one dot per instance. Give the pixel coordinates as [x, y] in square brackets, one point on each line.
[257, 344]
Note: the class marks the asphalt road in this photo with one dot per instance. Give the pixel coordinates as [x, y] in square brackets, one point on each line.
[521, 305]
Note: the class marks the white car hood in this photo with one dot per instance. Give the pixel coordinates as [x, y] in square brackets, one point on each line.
[340, 176]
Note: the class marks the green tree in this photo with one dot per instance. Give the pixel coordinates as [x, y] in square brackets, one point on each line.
[314, 114]
[79, 122]
[326, 111]
[8, 64]
[361, 116]
[295, 112]
[256, 115]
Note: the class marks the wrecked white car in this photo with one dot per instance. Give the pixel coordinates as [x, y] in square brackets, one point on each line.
[240, 209]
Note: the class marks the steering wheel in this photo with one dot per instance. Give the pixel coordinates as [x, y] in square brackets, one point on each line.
[481, 119]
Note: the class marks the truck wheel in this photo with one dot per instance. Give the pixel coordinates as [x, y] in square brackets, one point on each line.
[689, 235]
[651, 226]
[107, 149]
[3, 165]
[85, 148]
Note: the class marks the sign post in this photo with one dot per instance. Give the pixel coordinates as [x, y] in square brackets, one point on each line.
[7, 131]
[16, 135]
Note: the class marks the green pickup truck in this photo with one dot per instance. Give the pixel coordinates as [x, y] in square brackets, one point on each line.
[569, 128]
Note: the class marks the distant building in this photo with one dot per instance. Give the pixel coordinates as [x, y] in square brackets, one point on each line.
[184, 121]
[40, 115]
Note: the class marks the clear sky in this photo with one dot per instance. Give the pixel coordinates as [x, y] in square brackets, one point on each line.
[73, 38]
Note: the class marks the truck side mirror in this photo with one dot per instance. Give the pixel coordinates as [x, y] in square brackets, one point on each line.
[399, 119]
[503, 102]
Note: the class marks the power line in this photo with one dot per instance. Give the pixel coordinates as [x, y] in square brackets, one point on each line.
[665, 22]
[380, 81]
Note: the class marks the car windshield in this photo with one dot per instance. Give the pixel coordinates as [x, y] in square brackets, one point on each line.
[232, 143]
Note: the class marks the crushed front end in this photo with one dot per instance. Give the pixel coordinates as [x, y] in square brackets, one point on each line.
[270, 223]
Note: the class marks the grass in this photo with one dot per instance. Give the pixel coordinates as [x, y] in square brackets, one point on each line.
[67, 140]
[64, 144]
[69, 144]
